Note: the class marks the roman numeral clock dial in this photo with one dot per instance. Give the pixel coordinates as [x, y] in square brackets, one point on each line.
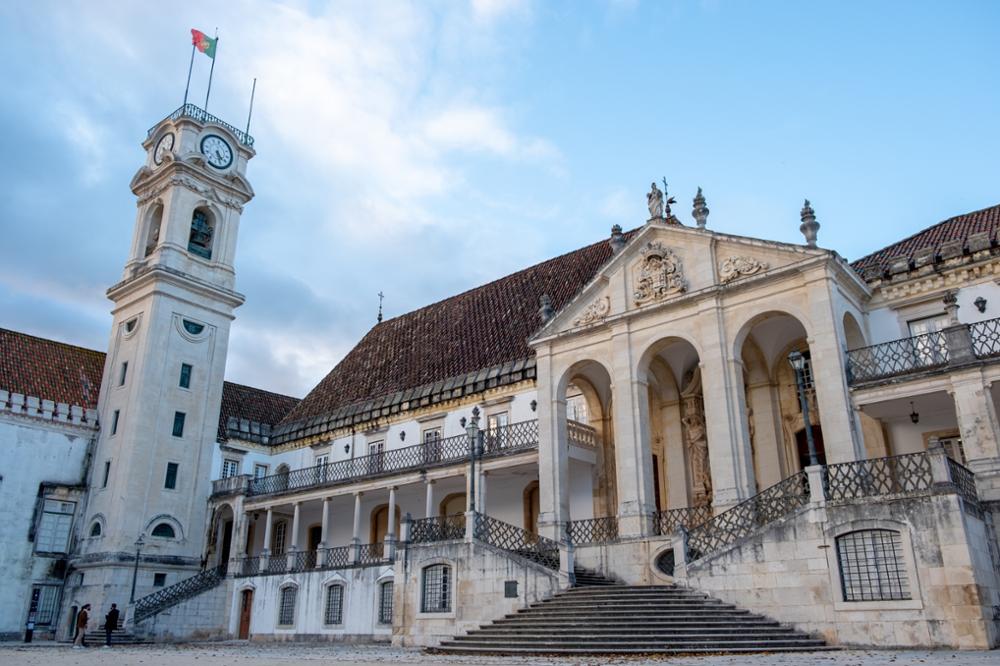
[216, 151]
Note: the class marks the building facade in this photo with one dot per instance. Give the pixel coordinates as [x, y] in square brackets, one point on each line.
[812, 439]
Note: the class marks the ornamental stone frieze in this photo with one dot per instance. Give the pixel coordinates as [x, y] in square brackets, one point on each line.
[658, 275]
[596, 311]
[737, 267]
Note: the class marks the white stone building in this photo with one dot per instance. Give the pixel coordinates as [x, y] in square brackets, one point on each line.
[636, 416]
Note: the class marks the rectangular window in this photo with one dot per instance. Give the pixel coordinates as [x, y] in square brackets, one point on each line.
[286, 610]
[385, 603]
[334, 611]
[321, 467]
[259, 471]
[278, 538]
[376, 460]
[114, 421]
[170, 482]
[107, 473]
[496, 432]
[55, 526]
[230, 468]
[123, 373]
[44, 601]
[185, 375]
[432, 444]
[179, 424]
[872, 566]
[159, 579]
[436, 596]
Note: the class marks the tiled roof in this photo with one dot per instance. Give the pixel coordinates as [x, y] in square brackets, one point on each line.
[252, 404]
[50, 370]
[954, 232]
[486, 327]
[61, 372]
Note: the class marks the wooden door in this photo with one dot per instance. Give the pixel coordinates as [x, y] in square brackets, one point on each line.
[803, 446]
[246, 603]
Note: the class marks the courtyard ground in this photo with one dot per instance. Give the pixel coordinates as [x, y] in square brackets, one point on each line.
[317, 654]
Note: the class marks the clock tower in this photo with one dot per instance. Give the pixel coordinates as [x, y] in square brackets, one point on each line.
[162, 387]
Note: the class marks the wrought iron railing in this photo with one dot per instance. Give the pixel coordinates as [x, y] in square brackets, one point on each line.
[964, 480]
[497, 441]
[370, 554]
[888, 359]
[277, 564]
[199, 114]
[743, 519]
[248, 566]
[303, 560]
[581, 434]
[985, 338]
[438, 528]
[907, 473]
[593, 531]
[668, 521]
[516, 541]
[171, 596]
[230, 485]
[338, 557]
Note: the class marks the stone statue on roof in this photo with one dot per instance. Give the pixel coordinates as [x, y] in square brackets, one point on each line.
[655, 202]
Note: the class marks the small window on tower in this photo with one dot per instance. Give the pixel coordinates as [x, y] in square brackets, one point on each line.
[202, 231]
[107, 473]
[153, 235]
[178, 424]
[170, 482]
[114, 421]
[123, 373]
[159, 579]
[185, 375]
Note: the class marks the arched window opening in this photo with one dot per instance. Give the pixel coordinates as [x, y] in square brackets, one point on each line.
[153, 231]
[385, 591]
[334, 610]
[202, 233]
[164, 531]
[286, 608]
[95, 529]
[436, 589]
[872, 567]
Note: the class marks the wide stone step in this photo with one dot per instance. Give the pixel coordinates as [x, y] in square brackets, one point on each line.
[634, 603]
[529, 633]
[598, 612]
[579, 651]
[543, 644]
[619, 624]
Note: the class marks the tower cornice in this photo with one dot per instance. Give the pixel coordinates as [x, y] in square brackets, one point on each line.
[160, 273]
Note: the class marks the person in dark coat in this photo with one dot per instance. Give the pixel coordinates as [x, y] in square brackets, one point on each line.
[80, 641]
[110, 624]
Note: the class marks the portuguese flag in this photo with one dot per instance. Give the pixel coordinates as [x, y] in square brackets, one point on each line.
[204, 43]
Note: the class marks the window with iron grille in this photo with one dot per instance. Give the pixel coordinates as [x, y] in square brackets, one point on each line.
[45, 598]
[54, 526]
[436, 592]
[385, 603]
[334, 611]
[286, 609]
[872, 567]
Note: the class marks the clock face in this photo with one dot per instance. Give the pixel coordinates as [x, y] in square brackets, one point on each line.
[216, 151]
[163, 146]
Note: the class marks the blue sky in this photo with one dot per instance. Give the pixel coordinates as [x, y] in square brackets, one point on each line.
[424, 148]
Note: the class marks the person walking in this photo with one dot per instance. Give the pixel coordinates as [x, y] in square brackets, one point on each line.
[110, 624]
[81, 627]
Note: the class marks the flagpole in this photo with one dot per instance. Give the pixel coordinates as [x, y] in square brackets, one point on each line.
[250, 113]
[212, 70]
[190, 66]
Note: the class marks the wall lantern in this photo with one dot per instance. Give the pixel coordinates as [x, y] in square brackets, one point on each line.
[347, 448]
[402, 435]
[913, 414]
[534, 405]
[980, 304]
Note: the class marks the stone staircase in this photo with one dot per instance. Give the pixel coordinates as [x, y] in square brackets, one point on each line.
[588, 578]
[161, 600]
[601, 617]
[95, 638]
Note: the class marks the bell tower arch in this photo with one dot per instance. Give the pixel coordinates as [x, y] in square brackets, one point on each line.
[162, 386]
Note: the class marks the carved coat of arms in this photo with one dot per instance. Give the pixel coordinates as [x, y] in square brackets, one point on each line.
[658, 275]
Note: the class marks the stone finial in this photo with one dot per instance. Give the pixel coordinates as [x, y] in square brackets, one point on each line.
[546, 311]
[700, 210]
[809, 226]
[951, 306]
[617, 241]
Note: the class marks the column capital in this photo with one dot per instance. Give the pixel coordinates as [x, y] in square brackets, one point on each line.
[430, 482]
[357, 494]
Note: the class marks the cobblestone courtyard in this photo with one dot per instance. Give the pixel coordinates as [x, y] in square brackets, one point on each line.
[245, 654]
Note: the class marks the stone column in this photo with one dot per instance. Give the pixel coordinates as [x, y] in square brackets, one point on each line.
[553, 453]
[325, 524]
[429, 499]
[633, 454]
[266, 552]
[979, 428]
[841, 439]
[356, 538]
[767, 441]
[674, 457]
[390, 528]
[481, 503]
[294, 541]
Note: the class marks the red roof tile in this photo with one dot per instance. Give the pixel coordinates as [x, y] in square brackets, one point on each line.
[958, 228]
[61, 372]
[485, 327]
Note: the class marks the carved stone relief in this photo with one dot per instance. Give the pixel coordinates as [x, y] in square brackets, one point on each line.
[697, 446]
[737, 267]
[596, 311]
[658, 275]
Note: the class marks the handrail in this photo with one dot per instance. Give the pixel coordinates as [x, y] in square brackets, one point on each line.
[985, 337]
[668, 521]
[897, 357]
[160, 600]
[203, 116]
[498, 441]
[910, 472]
[437, 528]
[516, 540]
[593, 531]
[230, 484]
[581, 434]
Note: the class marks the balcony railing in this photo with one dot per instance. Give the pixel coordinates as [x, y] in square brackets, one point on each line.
[338, 557]
[231, 485]
[899, 357]
[517, 541]
[496, 442]
[203, 116]
[439, 528]
[985, 338]
[581, 434]
[593, 530]
[879, 476]
[667, 522]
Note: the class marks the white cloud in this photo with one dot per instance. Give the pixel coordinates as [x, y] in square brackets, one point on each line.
[491, 10]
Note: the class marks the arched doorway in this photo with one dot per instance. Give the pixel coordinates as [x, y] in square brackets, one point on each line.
[531, 503]
[453, 504]
[246, 608]
[586, 389]
[380, 523]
